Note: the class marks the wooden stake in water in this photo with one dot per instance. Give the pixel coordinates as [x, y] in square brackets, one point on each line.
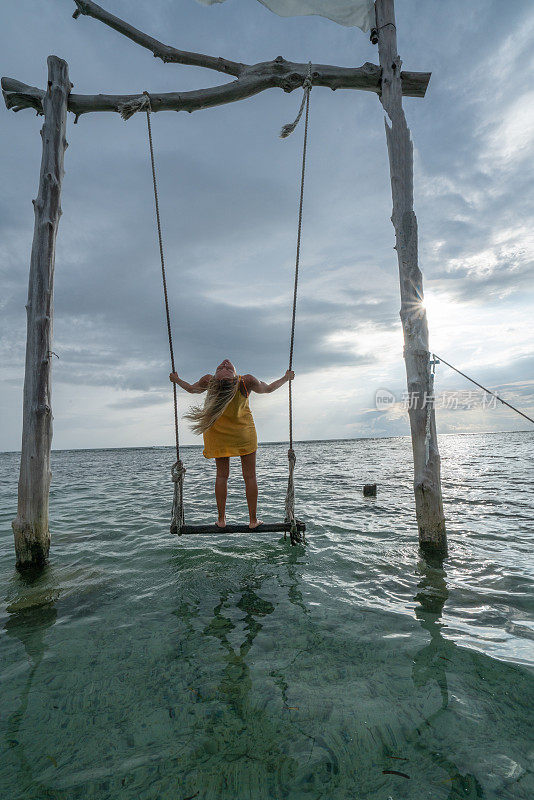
[427, 480]
[32, 535]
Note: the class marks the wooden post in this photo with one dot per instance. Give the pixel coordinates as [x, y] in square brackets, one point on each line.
[427, 481]
[32, 536]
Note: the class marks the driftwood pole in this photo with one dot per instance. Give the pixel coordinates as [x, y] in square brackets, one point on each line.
[32, 536]
[427, 481]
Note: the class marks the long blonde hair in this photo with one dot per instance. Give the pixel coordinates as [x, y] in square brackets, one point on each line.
[221, 392]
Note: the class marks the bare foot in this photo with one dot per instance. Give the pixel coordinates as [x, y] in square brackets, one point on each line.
[254, 523]
[221, 523]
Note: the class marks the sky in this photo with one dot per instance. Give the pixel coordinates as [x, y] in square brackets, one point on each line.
[229, 199]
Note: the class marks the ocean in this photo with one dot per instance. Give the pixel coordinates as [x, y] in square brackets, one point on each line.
[145, 666]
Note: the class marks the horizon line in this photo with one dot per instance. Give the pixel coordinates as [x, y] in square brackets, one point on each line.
[275, 442]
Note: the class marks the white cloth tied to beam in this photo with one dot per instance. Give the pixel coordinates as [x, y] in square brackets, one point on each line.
[360, 13]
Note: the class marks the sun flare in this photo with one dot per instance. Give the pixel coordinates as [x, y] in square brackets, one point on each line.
[440, 309]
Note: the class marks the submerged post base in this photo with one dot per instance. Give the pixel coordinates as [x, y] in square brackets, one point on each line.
[266, 527]
[32, 544]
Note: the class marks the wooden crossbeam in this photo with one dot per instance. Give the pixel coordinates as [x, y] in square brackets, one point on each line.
[266, 527]
[270, 75]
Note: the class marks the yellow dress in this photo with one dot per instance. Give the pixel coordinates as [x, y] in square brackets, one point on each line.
[234, 432]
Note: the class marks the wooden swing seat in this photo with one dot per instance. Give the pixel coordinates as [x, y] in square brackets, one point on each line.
[265, 527]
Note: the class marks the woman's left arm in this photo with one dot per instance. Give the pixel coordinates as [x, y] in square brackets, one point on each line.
[255, 385]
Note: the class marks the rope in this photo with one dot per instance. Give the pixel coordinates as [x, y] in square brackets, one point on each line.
[429, 407]
[286, 131]
[484, 388]
[306, 101]
[178, 469]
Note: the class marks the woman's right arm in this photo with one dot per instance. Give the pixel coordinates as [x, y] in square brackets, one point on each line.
[193, 388]
[254, 385]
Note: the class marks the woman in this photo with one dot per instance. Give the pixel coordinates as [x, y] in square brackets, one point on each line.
[226, 422]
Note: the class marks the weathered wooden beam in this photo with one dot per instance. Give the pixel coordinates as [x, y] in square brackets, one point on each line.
[169, 55]
[30, 527]
[266, 527]
[279, 73]
[427, 482]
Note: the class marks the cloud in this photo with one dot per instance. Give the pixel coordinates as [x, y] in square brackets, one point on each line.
[140, 400]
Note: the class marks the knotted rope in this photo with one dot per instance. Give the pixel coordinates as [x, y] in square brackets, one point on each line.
[178, 469]
[177, 516]
[130, 108]
[288, 129]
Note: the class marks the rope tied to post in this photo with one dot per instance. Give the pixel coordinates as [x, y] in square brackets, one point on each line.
[439, 359]
[435, 359]
[429, 400]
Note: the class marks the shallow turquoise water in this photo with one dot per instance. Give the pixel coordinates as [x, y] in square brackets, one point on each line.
[149, 667]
